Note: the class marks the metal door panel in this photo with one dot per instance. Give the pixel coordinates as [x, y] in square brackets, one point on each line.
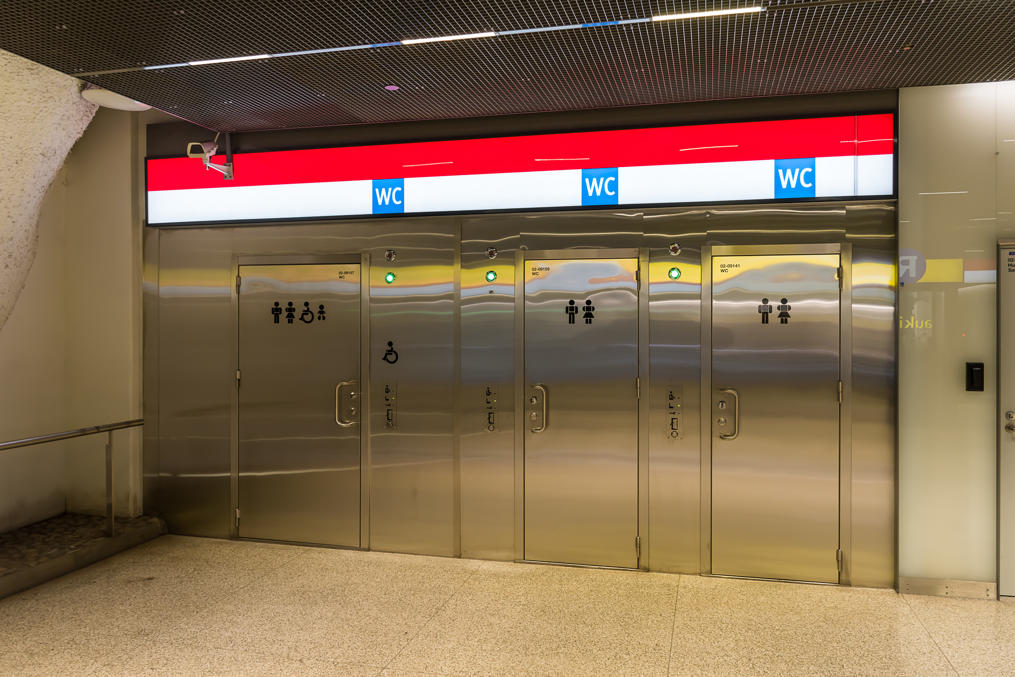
[581, 467]
[299, 432]
[775, 416]
[1006, 419]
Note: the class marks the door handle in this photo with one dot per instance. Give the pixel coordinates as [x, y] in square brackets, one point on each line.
[542, 424]
[736, 414]
[343, 422]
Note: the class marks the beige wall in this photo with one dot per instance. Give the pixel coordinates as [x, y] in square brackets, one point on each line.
[956, 198]
[33, 364]
[70, 353]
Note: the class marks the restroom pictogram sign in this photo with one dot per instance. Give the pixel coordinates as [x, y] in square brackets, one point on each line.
[306, 315]
[572, 309]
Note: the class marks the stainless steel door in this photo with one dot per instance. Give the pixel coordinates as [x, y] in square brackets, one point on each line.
[1006, 416]
[581, 415]
[775, 416]
[299, 431]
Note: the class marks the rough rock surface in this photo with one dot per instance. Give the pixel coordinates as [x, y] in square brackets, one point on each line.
[42, 114]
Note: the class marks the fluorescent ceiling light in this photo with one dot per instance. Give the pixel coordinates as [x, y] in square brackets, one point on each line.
[229, 59]
[713, 12]
[449, 38]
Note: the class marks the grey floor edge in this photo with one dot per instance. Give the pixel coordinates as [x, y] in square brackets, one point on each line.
[23, 579]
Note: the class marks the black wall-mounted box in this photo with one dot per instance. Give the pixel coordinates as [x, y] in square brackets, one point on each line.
[974, 376]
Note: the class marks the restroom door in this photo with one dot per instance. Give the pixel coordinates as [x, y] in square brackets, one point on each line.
[581, 411]
[299, 409]
[775, 416]
[1006, 422]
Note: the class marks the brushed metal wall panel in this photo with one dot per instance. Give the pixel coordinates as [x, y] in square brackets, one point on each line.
[412, 472]
[872, 561]
[487, 354]
[150, 362]
[196, 380]
[675, 367]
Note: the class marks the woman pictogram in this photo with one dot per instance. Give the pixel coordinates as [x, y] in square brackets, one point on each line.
[589, 309]
[784, 309]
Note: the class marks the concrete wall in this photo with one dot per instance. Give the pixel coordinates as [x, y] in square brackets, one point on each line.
[70, 352]
[41, 116]
[956, 199]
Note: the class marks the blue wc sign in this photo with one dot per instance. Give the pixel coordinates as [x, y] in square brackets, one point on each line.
[795, 178]
[601, 186]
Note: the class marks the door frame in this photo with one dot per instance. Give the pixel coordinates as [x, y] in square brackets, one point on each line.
[1000, 409]
[363, 260]
[642, 256]
[844, 250]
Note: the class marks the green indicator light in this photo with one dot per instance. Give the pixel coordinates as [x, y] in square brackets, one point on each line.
[674, 273]
[491, 276]
[389, 277]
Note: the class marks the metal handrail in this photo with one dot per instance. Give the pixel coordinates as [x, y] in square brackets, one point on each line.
[107, 428]
[69, 434]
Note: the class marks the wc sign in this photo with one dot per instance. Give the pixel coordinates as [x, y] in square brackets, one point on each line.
[601, 186]
[388, 196]
[795, 178]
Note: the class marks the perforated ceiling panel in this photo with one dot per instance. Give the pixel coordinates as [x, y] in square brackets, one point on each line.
[794, 47]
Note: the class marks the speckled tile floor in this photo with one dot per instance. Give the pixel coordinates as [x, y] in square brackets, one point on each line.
[188, 606]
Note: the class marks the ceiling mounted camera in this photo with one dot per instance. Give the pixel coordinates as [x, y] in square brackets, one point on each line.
[205, 150]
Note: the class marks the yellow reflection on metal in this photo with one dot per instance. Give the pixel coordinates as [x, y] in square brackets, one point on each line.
[724, 267]
[873, 274]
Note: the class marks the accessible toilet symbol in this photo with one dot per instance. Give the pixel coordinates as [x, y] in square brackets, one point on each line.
[276, 311]
[390, 355]
[290, 313]
[571, 311]
[765, 309]
[784, 309]
[307, 316]
[320, 312]
[589, 311]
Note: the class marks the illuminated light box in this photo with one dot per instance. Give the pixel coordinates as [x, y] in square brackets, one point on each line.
[816, 158]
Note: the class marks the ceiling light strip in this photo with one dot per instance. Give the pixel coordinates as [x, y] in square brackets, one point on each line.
[445, 38]
[252, 57]
[449, 38]
[708, 13]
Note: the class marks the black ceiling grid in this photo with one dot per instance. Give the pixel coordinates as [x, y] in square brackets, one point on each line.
[795, 47]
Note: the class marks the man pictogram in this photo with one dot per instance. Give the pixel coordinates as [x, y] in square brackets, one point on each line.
[765, 309]
[276, 311]
[571, 311]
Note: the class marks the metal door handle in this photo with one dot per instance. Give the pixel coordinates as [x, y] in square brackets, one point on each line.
[345, 423]
[1010, 427]
[736, 414]
[542, 425]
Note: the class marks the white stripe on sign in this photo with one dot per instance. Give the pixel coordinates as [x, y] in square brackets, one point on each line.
[834, 176]
[658, 184]
[704, 182]
[875, 174]
[294, 200]
[474, 192]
